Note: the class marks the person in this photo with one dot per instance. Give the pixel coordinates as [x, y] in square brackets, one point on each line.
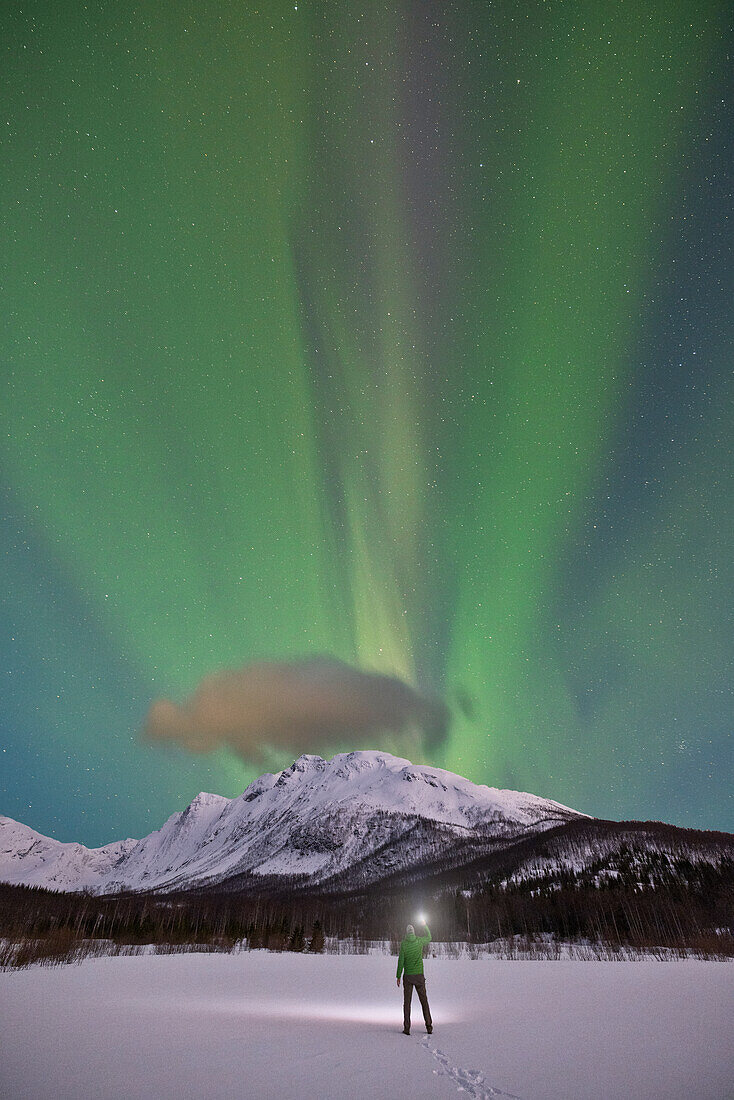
[410, 960]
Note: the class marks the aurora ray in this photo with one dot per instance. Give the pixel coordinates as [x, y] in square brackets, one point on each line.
[398, 336]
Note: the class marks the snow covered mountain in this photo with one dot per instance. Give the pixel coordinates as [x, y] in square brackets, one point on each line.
[29, 858]
[353, 820]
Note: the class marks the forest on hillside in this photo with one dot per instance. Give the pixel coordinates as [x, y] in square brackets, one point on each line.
[681, 905]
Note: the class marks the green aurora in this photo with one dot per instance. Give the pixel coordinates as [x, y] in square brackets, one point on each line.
[402, 335]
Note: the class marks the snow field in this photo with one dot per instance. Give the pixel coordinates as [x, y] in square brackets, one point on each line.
[281, 1026]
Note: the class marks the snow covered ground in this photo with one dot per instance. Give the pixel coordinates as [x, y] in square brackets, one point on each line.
[260, 1025]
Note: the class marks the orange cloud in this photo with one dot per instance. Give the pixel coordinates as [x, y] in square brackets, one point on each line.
[299, 705]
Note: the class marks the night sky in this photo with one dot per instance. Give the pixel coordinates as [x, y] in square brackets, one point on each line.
[395, 334]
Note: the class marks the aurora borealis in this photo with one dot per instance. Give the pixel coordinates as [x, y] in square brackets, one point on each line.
[397, 333]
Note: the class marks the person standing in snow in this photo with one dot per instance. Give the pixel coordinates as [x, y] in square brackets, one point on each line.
[410, 960]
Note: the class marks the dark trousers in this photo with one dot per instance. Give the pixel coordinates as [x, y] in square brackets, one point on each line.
[419, 981]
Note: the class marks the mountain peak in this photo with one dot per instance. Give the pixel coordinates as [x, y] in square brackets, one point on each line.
[203, 798]
[306, 763]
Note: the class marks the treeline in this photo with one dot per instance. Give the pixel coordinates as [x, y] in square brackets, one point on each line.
[659, 903]
[653, 901]
[34, 913]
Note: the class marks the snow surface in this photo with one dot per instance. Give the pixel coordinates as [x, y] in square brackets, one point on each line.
[315, 818]
[281, 1027]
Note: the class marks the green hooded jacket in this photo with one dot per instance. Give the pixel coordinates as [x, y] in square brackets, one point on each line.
[410, 958]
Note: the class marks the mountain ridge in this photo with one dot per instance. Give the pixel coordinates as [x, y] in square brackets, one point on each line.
[315, 820]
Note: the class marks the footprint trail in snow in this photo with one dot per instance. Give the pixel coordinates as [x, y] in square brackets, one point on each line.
[470, 1081]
